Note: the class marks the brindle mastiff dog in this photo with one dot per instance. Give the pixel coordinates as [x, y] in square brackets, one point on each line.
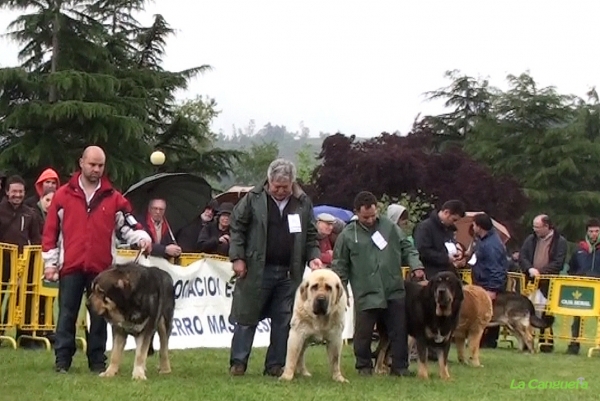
[432, 312]
[138, 301]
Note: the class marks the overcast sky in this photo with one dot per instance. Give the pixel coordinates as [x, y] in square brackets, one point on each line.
[361, 67]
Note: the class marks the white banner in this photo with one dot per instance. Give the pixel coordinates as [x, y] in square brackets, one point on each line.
[203, 304]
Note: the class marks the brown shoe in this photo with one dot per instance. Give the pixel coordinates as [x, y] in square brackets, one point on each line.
[274, 371]
[237, 370]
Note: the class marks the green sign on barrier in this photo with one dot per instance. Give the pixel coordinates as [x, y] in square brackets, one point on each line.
[575, 297]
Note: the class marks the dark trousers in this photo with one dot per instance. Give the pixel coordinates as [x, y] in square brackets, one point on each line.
[544, 286]
[278, 297]
[394, 318]
[575, 327]
[70, 293]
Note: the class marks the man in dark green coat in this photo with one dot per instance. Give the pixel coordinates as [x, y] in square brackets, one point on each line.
[273, 236]
[369, 254]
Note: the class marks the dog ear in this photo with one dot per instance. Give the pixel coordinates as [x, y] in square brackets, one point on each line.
[304, 291]
[340, 291]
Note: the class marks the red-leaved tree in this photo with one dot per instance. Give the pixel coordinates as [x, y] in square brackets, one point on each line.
[393, 164]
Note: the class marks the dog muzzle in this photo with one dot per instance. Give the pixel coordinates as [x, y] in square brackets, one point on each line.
[320, 306]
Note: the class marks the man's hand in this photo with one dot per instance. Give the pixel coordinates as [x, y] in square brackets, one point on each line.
[173, 250]
[239, 268]
[224, 238]
[329, 252]
[419, 273]
[315, 264]
[146, 246]
[51, 273]
[534, 272]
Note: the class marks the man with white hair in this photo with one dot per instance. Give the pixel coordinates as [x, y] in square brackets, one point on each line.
[272, 238]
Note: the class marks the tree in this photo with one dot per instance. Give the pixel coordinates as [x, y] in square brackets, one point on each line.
[468, 98]
[306, 164]
[90, 74]
[188, 141]
[253, 165]
[393, 165]
[549, 142]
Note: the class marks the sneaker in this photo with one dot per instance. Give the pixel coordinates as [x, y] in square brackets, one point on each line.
[546, 348]
[237, 370]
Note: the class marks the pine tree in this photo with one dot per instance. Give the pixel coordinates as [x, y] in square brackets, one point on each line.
[548, 141]
[91, 74]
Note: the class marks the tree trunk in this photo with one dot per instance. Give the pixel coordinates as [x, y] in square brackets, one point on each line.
[55, 48]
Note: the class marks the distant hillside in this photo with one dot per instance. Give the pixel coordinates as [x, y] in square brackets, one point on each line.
[289, 144]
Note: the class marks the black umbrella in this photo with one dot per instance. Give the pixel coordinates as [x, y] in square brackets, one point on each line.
[185, 194]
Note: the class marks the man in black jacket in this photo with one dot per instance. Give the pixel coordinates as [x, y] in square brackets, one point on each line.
[543, 252]
[434, 238]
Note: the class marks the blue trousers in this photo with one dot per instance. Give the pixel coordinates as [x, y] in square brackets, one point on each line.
[278, 298]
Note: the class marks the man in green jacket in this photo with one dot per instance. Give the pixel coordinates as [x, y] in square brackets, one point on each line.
[369, 254]
[272, 237]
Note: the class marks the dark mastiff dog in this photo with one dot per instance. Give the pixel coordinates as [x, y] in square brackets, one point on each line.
[138, 301]
[432, 312]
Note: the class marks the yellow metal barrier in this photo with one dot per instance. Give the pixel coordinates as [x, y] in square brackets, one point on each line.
[571, 296]
[8, 291]
[36, 310]
[37, 300]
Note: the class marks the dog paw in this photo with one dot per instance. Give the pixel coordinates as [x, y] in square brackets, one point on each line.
[285, 376]
[108, 372]
[340, 379]
[138, 374]
[164, 371]
[305, 373]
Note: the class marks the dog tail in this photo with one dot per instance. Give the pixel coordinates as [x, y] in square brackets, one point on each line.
[535, 320]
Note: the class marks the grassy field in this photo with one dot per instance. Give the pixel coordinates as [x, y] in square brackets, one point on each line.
[203, 375]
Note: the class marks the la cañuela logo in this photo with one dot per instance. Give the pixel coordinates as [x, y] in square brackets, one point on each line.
[579, 384]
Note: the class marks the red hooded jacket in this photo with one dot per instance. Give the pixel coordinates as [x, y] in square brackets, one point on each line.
[82, 237]
[48, 174]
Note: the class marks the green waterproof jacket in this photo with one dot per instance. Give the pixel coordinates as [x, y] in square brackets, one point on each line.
[248, 241]
[375, 274]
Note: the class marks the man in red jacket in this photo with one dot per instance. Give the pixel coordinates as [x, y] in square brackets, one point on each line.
[78, 242]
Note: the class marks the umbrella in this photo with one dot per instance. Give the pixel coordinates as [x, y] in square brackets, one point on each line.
[233, 194]
[184, 193]
[342, 214]
[464, 236]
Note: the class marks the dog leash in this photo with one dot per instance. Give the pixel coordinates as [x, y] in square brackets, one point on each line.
[137, 257]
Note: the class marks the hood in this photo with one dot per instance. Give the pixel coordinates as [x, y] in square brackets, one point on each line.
[394, 212]
[48, 174]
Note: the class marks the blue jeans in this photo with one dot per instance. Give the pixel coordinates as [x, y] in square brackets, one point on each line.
[278, 298]
[70, 293]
